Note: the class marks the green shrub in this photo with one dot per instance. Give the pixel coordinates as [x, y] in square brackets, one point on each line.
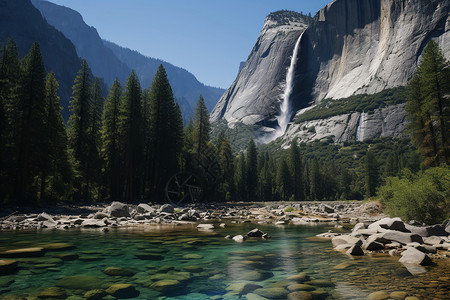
[424, 197]
[289, 209]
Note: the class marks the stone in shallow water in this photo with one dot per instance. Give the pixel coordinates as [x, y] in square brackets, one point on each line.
[255, 275]
[66, 256]
[80, 282]
[193, 269]
[380, 295]
[300, 287]
[192, 256]
[252, 296]
[113, 271]
[58, 247]
[355, 250]
[178, 276]
[165, 286]
[398, 295]
[321, 283]
[272, 293]
[300, 295]
[24, 252]
[412, 256]
[95, 294]
[7, 266]
[53, 293]
[300, 277]
[122, 291]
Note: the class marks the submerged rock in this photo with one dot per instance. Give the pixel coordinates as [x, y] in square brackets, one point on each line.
[7, 266]
[95, 294]
[272, 293]
[122, 291]
[80, 282]
[113, 271]
[24, 252]
[53, 293]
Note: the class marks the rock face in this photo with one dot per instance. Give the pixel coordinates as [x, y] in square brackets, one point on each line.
[351, 47]
[356, 126]
[255, 94]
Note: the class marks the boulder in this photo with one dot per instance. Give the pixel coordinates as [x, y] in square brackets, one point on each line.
[345, 239]
[166, 208]
[255, 233]
[45, 217]
[358, 227]
[100, 215]
[145, 208]
[328, 209]
[426, 249]
[402, 237]
[93, 223]
[122, 291]
[380, 295]
[355, 250]
[412, 256]
[118, 209]
[433, 240]
[388, 223]
[238, 238]
[205, 226]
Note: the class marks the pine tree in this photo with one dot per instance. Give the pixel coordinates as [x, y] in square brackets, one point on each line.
[296, 170]
[372, 176]
[252, 170]
[131, 131]
[111, 152]
[283, 180]
[164, 133]
[79, 133]
[95, 135]
[240, 179]
[428, 105]
[10, 73]
[315, 180]
[29, 142]
[201, 126]
[55, 170]
[226, 160]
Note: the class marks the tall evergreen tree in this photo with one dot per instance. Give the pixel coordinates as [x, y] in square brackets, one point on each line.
[226, 160]
[95, 136]
[131, 130]
[201, 126]
[372, 175]
[315, 180]
[55, 168]
[111, 151]
[165, 132]
[29, 141]
[240, 179]
[79, 133]
[428, 105]
[283, 180]
[296, 170]
[10, 73]
[252, 170]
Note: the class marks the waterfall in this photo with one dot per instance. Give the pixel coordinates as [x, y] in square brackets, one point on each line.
[361, 127]
[285, 108]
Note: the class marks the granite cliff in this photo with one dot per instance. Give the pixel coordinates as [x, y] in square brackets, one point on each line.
[351, 47]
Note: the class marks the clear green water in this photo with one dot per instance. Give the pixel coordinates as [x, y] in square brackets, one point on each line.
[218, 263]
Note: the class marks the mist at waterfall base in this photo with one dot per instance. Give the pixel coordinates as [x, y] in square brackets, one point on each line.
[286, 112]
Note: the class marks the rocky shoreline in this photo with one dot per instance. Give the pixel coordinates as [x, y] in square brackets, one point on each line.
[118, 214]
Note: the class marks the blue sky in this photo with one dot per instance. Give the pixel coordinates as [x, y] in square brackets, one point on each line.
[209, 38]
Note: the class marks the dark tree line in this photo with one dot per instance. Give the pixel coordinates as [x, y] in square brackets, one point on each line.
[126, 147]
